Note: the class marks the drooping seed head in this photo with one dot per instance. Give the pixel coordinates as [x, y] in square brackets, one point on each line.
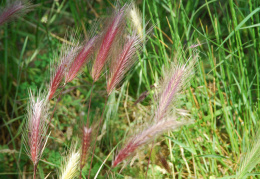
[146, 136]
[13, 9]
[174, 80]
[81, 59]
[114, 30]
[63, 63]
[123, 62]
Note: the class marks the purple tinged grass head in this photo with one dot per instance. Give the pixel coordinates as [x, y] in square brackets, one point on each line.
[35, 135]
[86, 142]
[13, 10]
[123, 62]
[114, 30]
[59, 70]
[146, 136]
[81, 59]
[174, 80]
[164, 163]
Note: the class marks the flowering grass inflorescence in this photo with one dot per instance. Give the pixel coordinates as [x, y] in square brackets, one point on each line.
[14, 9]
[36, 134]
[63, 63]
[108, 39]
[70, 163]
[81, 59]
[117, 47]
[173, 81]
[146, 136]
[86, 142]
[36, 126]
[123, 62]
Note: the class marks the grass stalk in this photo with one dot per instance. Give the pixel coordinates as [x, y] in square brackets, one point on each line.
[99, 125]
[89, 105]
[55, 107]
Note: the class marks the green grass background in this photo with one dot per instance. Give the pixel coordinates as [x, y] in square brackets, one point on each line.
[223, 97]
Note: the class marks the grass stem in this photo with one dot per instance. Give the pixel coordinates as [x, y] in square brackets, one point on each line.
[100, 121]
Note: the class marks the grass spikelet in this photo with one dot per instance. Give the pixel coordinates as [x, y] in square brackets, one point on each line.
[146, 136]
[13, 9]
[251, 158]
[115, 28]
[86, 142]
[70, 164]
[35, 135]
[174, 80]
[164, 163]
[64, 61]
[136, 19]
[36, 126]
[81, 59]
[123, 62]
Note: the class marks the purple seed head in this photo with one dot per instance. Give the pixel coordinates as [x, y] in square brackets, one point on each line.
[123, 62]
[59, 70]
[81, 59]
[13, 9]
[35, 135]
[86, 142]
[145, 137]
[174, 80]
[114, 30]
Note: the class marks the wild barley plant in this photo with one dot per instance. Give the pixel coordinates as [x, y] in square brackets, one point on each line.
[123, 62]
[70, 163]
[61, 65]
[173, 81]
[74, 55]
[250, 158]
[145, 136]
[71, 60]
[136, 20]
[36, 134]
[108, 39]
[85, 146]
[82, 58]
[13, 10]
[120, 59]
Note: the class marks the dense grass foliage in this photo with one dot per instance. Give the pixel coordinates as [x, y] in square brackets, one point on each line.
[223, 96]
